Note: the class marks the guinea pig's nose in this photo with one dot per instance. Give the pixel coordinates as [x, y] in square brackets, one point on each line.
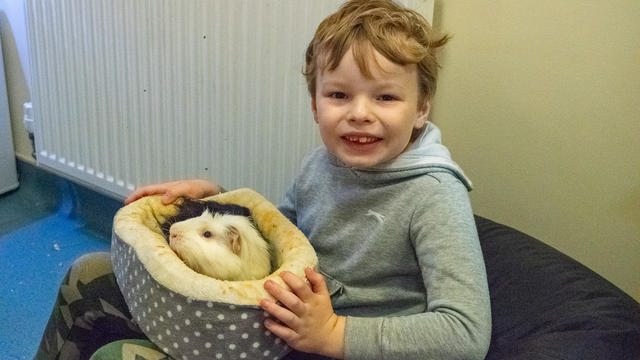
[174, 235]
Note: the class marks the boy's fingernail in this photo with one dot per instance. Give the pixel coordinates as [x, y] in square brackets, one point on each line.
[264, 303]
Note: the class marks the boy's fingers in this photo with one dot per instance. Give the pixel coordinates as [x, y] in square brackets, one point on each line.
[129, 199]
[282, 314]
[169, 197]
[134, 196]
[280, 331]
[297, 285]
[287, 298]
[171, 191]
[169, 194]
[145, 191]
[316, 280]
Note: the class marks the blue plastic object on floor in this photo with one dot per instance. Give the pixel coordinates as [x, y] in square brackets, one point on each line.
[44, 226]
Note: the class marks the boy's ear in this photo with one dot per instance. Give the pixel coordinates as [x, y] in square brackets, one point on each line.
[423, 115]
[314, 109]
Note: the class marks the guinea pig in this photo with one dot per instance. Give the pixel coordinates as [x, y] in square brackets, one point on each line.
[218, 240]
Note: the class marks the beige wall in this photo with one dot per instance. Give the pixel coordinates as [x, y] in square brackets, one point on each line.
[539, 101]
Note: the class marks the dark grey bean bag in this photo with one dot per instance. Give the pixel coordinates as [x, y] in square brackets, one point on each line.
[546, 305]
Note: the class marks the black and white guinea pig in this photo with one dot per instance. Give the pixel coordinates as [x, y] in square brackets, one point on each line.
[218, 240]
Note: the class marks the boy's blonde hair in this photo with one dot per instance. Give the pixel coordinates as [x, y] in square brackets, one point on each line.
[402, 35]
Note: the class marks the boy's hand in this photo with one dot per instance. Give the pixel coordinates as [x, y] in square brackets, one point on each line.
[195, 189]
[306, 322]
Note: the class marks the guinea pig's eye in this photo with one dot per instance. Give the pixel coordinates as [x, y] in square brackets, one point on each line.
[207, 234]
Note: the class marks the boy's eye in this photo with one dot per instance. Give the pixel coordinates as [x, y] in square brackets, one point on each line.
[207, 234]
[338, 95]
[387, 98]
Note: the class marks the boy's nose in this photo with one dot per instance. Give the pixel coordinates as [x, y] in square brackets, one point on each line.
[360, 110]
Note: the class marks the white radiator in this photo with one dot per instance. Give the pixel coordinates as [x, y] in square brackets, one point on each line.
[131, 92]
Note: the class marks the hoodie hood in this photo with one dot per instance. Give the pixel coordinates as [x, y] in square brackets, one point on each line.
[426, 154]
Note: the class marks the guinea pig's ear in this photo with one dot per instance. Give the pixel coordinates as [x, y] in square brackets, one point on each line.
[234, 239]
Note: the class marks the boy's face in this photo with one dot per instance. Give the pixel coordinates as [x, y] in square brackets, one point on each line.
[366, 122]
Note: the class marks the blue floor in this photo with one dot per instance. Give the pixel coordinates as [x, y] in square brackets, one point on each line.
[44, 225]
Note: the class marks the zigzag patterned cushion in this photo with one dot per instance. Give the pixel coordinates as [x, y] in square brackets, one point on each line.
[129, 349]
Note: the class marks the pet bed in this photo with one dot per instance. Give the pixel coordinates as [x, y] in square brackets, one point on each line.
[189, 315]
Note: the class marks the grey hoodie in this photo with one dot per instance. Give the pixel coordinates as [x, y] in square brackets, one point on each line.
[398, 246]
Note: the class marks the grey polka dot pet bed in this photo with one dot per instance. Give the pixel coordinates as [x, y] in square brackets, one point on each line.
[189, 315]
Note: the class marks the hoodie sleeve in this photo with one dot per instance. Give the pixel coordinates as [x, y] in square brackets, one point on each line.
[457, 321]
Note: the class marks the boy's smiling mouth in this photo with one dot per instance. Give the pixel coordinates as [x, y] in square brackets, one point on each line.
[360, 139]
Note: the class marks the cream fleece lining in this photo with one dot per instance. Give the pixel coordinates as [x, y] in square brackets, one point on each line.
[138, 225]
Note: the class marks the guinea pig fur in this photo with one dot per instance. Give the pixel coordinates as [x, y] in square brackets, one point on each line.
[220, 245]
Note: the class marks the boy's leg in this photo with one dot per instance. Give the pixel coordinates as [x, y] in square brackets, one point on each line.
[89, 312]
[130, 349]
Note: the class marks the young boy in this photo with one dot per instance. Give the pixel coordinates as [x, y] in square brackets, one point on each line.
[382, 203]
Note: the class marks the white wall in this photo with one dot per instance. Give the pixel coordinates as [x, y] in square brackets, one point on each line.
[8, 175]
[16, 62]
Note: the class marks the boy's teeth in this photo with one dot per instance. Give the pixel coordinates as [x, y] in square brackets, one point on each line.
[362, 140]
